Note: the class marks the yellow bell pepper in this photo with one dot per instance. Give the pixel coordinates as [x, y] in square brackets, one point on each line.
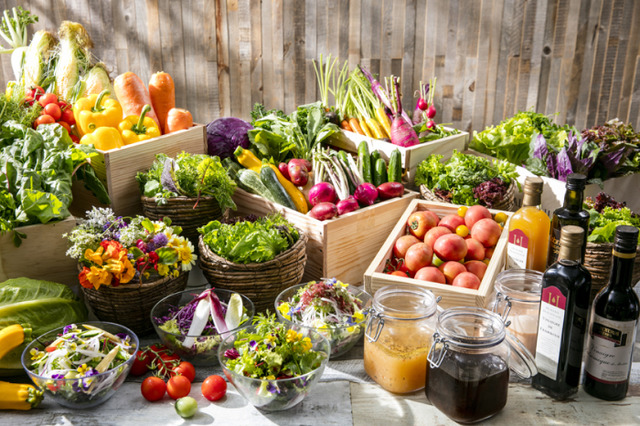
[104, 138]
[96, 111]
[138, 128]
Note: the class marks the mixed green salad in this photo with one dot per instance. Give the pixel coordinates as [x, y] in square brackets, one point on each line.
[329, 307]
[606, 215]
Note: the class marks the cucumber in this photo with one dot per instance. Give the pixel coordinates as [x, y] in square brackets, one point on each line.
[374, 160]
[250, 181]
[364, 160]
[270, 180]
[380, 173]
[232, 168]
[395, 168]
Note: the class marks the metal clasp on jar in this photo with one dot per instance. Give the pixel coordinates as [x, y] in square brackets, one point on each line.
[507, 307]
[435, 363]
[374, 316]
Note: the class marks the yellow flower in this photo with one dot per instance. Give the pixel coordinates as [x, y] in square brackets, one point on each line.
[83, 369]
[293, 336]
[351, 329]
[94, 256]
[163, 270]
[98, 276]
[270, 338]
[284, 310]
[306, 344]
[358, 317]
[271, 377]
[36, 354]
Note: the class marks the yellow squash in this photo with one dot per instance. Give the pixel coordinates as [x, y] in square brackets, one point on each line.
[19, 396]
[13, 336]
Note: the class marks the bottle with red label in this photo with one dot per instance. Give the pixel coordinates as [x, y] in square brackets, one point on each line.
[562, 322]
[614, 321]
[529, 227]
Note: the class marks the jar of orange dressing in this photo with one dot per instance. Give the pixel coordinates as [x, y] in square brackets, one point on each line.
[400, 325]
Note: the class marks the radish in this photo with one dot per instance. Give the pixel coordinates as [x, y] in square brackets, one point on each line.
[431, 111]
[322, 192]
[366, 194]
[376, 88]
[347, 205]
[422, 104]
[402, 133]
[324, 211]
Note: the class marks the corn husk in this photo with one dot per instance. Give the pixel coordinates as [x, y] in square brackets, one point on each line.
[37, 58]
[73, 60]
[96, 80]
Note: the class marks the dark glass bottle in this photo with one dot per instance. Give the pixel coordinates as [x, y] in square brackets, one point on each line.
[571, 213]
[613, 324]
[562, 322]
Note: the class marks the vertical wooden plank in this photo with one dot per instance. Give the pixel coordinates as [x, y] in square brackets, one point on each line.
[343, 31]
[121, 15]
[375, 37]
[278, 54]
[256, 52]
[536, 53]
[209, 40]
[632, 12]
[243, 76]
[590, 39]
[513, 58]
[471, 46]
[498, 101]
[153, 31]
[447, 79]
[573, 85]
[634, 106]
[610, 60]
[355, 25]
[599, 64]
[299, 52]
[108, 55]
[545, 63]
[570, 42]
[311, 54]
[495, 48]
[366, 31]
[524, 73]
[175, 27]
[288, 55]
[322, 28]
[268, 89]
[482, 68]
[407, 51]
[234, 70]
[222, 47]
[332, 20]
[141, 49]
[387, 16]
[419, 9]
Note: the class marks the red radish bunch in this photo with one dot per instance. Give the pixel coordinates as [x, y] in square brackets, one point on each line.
[54, 110]
[425, 110]
[402, 133]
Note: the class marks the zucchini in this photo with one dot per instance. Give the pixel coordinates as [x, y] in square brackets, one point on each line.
[250, 181]
[364, 160]
[375, 154]
[269, 178]
[232, 167]
[395, 168]
[380, 173]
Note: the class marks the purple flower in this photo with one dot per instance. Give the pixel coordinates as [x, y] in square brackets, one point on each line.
[68, 328]
[57, 376]
[232, 353]
[272, 388]
[159, 240]
[253, 344]
[122, 336]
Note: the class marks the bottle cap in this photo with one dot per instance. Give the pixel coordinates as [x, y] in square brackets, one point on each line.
[626, 239]
[533, 185]
[576, 181]
[571, 236]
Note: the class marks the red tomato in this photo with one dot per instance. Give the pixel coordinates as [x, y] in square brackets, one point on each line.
[214, 387]
[67, 115]
[399, 273]
[162, 360]
[153, 388]
[185, 369]
[43, 119]
[53, 110]
[140, 364]
[178, 386]
[36, 92]
[65, 125]
[48, 98]
[418, 256]
[75, 139]
[28, 100]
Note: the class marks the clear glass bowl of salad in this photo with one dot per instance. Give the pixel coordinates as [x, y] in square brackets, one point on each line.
[81, 365]
[260, 361]
[172, 318]
[336, 310]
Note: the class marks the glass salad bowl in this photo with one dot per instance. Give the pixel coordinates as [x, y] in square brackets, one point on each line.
[341, 321]
[240, 354]
[199, 349]
[81, 366]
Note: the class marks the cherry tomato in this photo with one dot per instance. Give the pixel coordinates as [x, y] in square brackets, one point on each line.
[178, 386]
[153, 388]
[214, 387]
[50, 348]
[186, 407]
[28, 100]
[35, 92]
[67, 115]
[186, 369]
[48, 98]
[65, 125]
[43, 119]
[53, 110]
[140, 364]
[399, 273]
[75, 139]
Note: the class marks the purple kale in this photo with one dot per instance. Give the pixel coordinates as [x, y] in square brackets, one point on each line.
[491, 192]
[540, 148]
[564, 168]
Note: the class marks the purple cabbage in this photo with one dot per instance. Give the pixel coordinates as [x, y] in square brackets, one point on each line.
[225, 134]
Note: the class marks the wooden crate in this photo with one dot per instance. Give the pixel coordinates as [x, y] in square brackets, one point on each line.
[411, 156]
[41, 255]
[118, 168]
[342, 247]
[374, 278]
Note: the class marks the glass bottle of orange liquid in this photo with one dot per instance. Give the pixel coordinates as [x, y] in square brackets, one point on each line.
[529, 229]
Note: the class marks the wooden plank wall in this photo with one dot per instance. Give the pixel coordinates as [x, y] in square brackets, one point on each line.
[577, 58]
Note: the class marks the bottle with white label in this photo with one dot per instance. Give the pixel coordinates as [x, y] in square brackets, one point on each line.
[529, 227]
[562, 322]
[613, 325]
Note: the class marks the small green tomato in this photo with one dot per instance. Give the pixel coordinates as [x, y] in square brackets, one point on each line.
[186, 406]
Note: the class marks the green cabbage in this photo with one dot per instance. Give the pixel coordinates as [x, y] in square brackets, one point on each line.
[43, 305]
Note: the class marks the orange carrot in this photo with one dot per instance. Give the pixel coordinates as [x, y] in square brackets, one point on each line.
[178, 119]
[355, 125]
[133, 95]
[344, 125]
[163, 96]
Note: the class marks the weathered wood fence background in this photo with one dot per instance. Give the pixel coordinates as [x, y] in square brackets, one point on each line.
[577, 58]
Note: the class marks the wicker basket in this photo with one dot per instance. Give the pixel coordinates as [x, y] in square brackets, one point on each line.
[131, 304]
[260, 282]
[597, 259]
[507, 203]
[182, 213]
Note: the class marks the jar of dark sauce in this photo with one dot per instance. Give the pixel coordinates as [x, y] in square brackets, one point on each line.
[468, 365]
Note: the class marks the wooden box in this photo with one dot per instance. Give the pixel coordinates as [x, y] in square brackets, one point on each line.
[118, 168]
[41, 255]
[375, 278]
[341, 247]
[411, 156]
